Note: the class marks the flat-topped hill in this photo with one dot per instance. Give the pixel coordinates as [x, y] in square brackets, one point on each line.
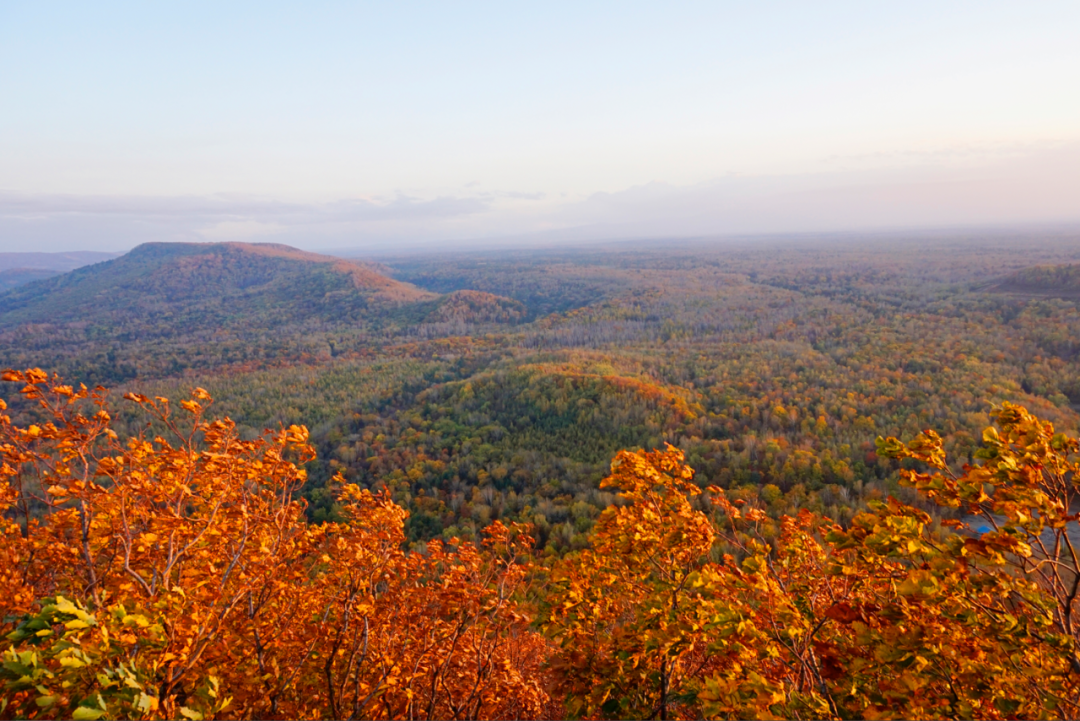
[193, 285]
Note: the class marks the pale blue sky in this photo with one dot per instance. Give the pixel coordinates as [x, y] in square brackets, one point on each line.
[337, 124]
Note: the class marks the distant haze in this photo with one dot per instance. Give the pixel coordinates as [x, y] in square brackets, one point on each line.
[391, 126]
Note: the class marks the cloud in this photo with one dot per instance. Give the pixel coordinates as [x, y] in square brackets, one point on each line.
[1025, 188]
[954, 154]
[237, 229]
[71, 222]
[1036, 186]
[37, 206]
[400, 208]
[404, 208]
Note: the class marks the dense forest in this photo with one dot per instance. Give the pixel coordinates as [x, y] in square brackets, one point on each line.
[175, 575]
[472, 403]
[485, 386]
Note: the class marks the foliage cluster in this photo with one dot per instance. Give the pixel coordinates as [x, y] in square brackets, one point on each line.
[177, 578]
[175, 575]
[789, 357]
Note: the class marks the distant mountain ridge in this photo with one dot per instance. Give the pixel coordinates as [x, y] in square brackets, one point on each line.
[14, 277]
[21, 268]
[57, 262]
[191, 285]
[166, 308]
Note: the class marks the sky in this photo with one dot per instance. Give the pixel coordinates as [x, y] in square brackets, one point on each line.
[392, 125]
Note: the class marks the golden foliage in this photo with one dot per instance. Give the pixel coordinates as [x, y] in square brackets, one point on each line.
[883, 619]
[175, 576]
[178, 578]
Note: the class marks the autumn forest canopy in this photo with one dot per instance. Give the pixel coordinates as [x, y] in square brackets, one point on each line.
[780, 478]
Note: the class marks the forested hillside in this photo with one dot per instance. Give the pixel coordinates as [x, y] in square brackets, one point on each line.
[498, 386]
[174, 575]
[165, 307]
[433, 526]
[174, 288]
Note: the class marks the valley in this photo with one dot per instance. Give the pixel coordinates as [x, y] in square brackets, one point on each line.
[497, 386]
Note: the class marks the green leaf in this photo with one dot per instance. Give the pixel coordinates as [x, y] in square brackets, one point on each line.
[65, 606]
[44, 701]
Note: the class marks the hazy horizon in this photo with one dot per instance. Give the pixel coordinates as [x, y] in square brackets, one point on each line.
[353, 127]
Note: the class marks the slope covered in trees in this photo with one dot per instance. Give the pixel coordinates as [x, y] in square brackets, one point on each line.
[175, 288]
[164, 307]
[771, 364]
[173, 575]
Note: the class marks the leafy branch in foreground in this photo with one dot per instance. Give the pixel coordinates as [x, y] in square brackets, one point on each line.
[679, 611]
[175, 576]
[169, 578]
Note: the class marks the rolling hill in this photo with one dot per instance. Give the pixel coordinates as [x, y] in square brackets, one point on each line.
[167, 308]
[186, 286]
[474, 306]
